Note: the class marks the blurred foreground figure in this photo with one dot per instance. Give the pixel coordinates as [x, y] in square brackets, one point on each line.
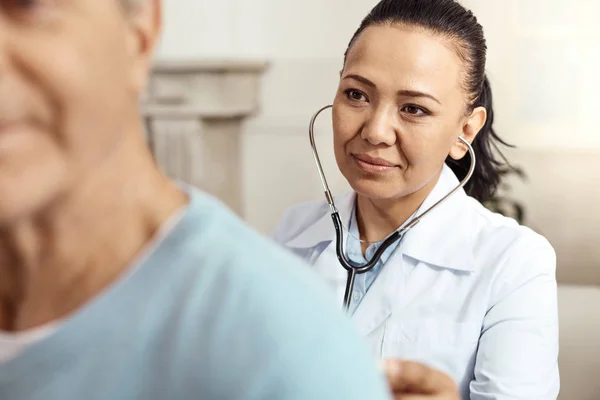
[114, 282]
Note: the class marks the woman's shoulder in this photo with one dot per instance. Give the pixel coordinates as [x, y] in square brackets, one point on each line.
[490, 223]
[298, 218]
[504, 239]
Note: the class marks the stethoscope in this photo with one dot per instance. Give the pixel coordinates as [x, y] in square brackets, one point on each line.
[352, 269]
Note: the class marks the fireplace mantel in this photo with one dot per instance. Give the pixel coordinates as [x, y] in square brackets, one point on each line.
[194, 112]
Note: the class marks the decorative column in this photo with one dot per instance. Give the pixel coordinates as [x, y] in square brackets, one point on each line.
[194, 112]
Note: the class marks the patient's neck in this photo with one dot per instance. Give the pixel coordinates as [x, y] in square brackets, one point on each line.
[53, 263]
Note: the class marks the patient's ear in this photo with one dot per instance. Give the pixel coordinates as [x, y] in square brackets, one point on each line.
[145, 22]
[471, 127]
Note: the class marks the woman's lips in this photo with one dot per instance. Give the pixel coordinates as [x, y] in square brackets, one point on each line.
[373, 164]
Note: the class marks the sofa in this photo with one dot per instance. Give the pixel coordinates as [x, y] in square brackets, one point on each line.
[562, 201]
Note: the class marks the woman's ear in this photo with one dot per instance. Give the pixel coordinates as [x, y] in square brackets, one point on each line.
[471, 127]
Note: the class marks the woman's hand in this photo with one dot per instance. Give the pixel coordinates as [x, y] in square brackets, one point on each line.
[413, 381]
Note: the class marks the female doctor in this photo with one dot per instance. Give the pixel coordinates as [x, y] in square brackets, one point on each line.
[466, 291]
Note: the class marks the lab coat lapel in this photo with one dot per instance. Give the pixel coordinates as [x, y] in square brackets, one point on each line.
[329, 269]
[443, 238]
[326, 264]
[377, 304]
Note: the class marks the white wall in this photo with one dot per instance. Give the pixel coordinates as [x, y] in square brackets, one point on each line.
[544, 58]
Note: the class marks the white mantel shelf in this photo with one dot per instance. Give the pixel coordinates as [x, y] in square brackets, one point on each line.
[210, 65]
[194, 112]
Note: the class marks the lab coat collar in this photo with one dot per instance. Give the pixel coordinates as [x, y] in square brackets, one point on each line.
[444, 237]
[441, 239]
[322, 230]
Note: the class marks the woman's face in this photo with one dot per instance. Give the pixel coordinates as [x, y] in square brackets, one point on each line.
[399, 110]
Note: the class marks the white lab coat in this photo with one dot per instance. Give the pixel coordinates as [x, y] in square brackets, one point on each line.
[467, 291]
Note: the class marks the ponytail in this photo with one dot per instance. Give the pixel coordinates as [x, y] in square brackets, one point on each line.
[486, 177]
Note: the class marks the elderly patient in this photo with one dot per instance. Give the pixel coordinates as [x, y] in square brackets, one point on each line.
[115, 283]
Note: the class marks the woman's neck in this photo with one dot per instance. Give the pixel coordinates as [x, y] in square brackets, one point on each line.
[52, 264]
[378, 218]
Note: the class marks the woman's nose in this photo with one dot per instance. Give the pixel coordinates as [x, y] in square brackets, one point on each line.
[381, 128]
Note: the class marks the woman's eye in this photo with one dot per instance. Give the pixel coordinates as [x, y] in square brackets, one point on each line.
[355, 95]
[23, 4]
[25, 8]
[414, 110]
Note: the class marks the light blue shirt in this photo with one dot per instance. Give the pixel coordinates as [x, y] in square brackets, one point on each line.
[215, 312]
[468, 292]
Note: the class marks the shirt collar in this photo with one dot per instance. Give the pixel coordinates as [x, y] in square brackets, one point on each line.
[442, 238]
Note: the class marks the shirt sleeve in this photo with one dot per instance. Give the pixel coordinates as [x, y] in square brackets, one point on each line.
[518, 350]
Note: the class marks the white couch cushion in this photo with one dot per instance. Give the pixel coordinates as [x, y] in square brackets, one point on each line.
[579, 359]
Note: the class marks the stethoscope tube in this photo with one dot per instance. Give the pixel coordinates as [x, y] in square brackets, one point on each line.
[352, 269]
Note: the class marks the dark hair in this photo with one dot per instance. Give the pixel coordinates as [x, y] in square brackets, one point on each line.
[450, 19]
